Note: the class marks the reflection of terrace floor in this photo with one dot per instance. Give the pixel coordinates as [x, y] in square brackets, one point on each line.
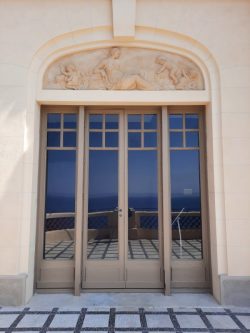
[138, 249]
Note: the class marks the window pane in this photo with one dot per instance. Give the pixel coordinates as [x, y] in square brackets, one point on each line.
[54, 120]
[134, 121]
[95, 139]
[150, 121]
[60, 205]
[192, 139]
[111, 139]
[53, 139]
[134, 139]
[186, 198]
[176, 139]
[143, 205]
[111, 121]
[69, 121]
[150, 139]
[95, 121]
[69, 139]
[175, 121]
[192, 121]
[103, 205]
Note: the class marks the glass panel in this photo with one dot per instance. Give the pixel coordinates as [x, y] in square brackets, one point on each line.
[103, 205]
[134, 121]
[95, 139]
[111, 121]
[95, 121]
[69, 121]
[60, 205]
[111, 139]
[192, 121]
[150, 139]
[143, 205]
[175, 121]
[54, 120]
[53, 139]
[134, 139]
[192, 139]
[150, 121]
[69, 139]
[176, 139]
[186, 204]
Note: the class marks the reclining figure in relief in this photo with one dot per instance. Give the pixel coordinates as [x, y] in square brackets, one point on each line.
[114, 79]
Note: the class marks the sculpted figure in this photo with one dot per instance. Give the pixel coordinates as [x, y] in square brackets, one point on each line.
[71, 76]
[114, 78]
[182, 78]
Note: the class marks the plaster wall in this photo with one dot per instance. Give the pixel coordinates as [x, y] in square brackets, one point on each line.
[29, 28]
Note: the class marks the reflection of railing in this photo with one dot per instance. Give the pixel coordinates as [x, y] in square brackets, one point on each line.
[138, 219]
[188, 225]
[188, 220]
[177, 220]
[59, 221]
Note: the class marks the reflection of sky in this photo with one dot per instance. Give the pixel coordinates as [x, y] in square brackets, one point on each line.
[60, 191]
[185, 179]
[142, 179]
[103, 180]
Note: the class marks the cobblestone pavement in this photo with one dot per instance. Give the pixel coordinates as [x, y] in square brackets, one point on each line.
[125, 319]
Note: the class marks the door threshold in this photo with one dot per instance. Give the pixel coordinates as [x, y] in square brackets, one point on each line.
[122, 290]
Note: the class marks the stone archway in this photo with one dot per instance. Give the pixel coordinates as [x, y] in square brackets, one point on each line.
[90, 39]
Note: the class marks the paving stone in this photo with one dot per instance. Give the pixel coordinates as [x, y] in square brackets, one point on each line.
[64, 320]
[159, 320]
[222, 322]
[190, 321]
[33, 320]
[6, 320]
[96, 320]
[245, 320]
[127, 321]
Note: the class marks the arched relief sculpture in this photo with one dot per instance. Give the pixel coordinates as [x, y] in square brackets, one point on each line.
[124, 69]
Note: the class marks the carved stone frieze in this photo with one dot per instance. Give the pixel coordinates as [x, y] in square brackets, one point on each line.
[123, 68]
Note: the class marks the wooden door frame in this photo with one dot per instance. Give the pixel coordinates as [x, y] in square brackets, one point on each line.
[82, 178]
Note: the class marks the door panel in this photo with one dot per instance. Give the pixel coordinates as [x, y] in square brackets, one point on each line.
[188, 205]
[57, 198]
[143, 262]
[103, 250]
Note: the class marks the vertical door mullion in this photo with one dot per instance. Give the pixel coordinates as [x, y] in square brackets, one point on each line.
[125, 191]
[85, 197]
[79, 202]
[166, 195]
[121, 196]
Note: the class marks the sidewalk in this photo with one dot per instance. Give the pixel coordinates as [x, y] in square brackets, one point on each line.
[111, 312]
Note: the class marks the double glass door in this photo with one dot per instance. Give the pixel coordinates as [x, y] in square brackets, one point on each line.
[122, 220]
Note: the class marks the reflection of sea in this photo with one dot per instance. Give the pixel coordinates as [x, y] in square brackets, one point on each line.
[189, 203]
[57, 204]
[136, 203]
[67, 204]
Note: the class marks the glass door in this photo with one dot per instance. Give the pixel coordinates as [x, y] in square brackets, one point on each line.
[143, 206]
[121, 231]
[103, 253]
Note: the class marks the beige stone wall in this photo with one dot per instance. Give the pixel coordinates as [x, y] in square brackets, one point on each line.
[31, 29]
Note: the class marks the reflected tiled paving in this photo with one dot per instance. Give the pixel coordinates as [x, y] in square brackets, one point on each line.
[138, 249]
[111, 320]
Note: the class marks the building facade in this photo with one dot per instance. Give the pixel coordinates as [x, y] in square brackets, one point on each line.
[124, 140]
